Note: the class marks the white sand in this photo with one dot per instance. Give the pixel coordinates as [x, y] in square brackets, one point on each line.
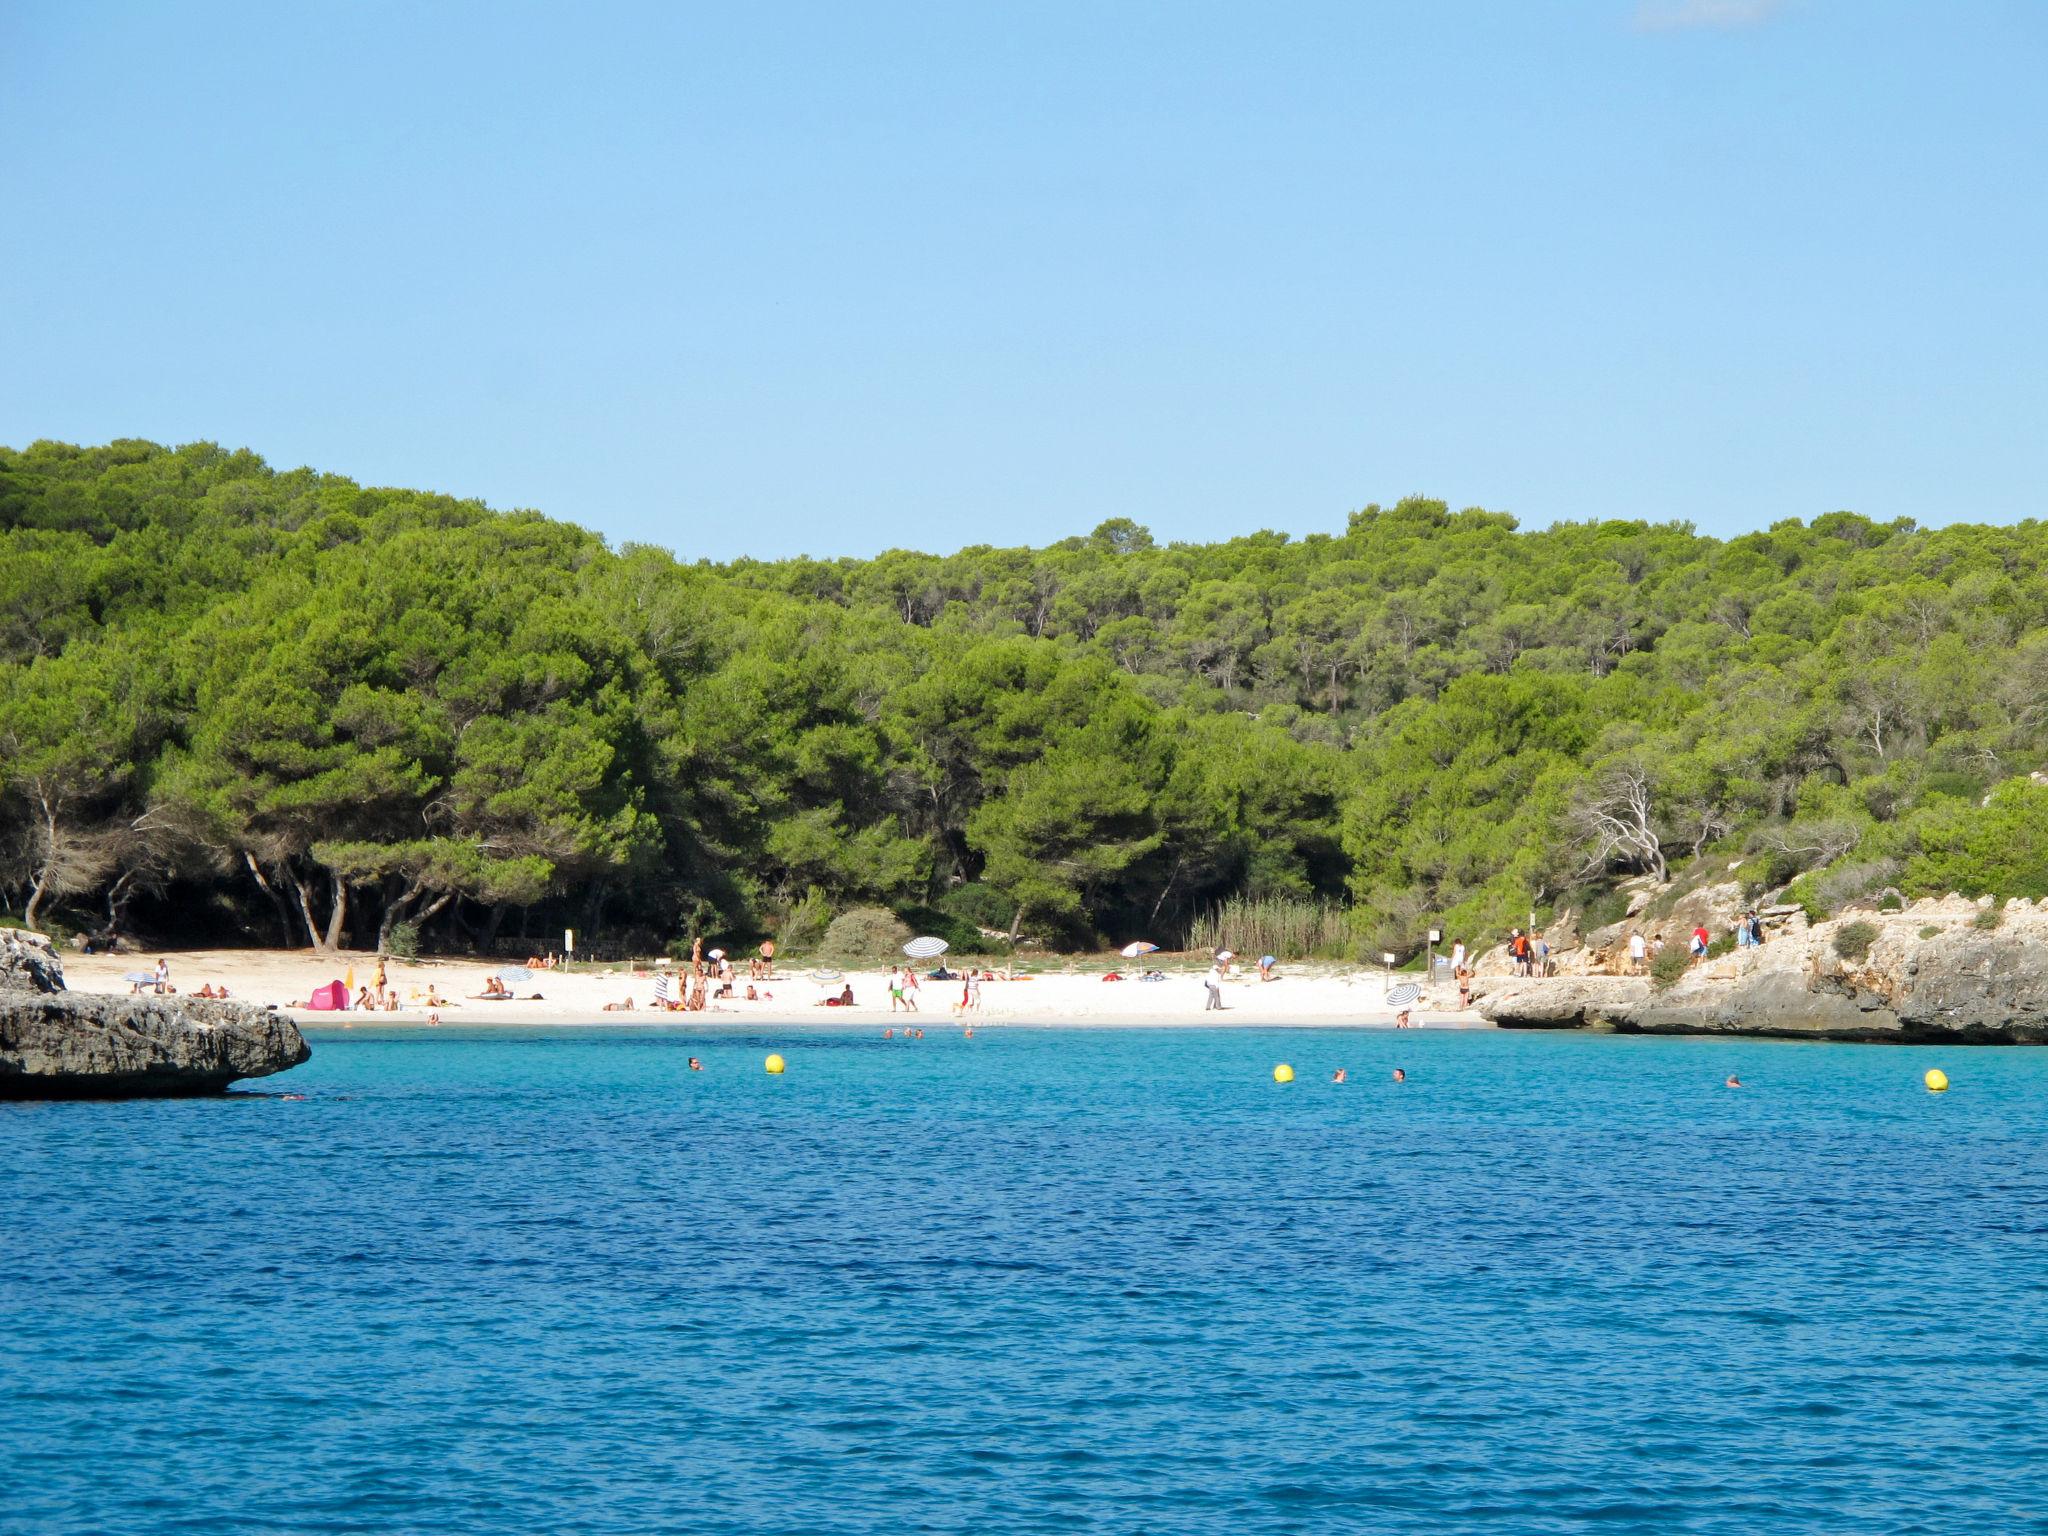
[1075, 996]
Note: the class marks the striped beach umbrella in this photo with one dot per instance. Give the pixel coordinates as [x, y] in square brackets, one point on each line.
[1403, 995]
[926, 948]
[1132, 951]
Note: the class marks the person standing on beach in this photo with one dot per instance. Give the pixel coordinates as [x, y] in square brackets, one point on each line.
[1457, 957]
[895, 989]
[1638, 953]
[163, 976]
[1213, 985]
[380, 979]
[910, 985]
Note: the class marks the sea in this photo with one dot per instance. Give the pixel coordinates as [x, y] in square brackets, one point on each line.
[1039, 1280]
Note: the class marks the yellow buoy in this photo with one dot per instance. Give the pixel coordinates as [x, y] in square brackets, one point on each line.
[1936, 1080]
[775, 1064]
[1283, 1073]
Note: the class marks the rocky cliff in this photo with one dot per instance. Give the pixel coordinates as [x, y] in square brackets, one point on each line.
[1939, 970]
[56, 1044]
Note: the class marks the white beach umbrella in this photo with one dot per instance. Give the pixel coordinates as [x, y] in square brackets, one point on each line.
[825, 975]
[1132, 951]
[926, 948]
[514, 973]
[1403, 995]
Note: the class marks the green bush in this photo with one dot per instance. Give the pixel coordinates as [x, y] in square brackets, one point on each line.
[804, 925]
[404, 942]
[1805, 891]
[1670, 964]
[1721, 946]
[962, 937]
[866, 933]
[2000, 846]
[1854, 941]
[1890, 902]
[1989, 918]
[1930, 933]
[980, 906]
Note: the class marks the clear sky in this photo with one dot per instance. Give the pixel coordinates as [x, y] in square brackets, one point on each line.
[833, 277]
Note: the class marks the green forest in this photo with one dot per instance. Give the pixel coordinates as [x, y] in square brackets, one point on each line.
[239, 705]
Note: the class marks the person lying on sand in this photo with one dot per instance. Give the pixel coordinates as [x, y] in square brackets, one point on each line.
[620, 1007]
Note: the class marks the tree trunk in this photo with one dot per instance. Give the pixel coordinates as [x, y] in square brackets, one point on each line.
[337, 916]
[277, 901]
[35, 894]
[491, 927]
[306, 911]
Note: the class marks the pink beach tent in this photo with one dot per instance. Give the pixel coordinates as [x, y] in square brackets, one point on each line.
[332, 997]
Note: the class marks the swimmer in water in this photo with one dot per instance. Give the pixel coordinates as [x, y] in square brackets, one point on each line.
[1400, 1076]
[970, 1032]
[1734, 1081]
[696, 1065]
[1337, 1076]
[889, 1034]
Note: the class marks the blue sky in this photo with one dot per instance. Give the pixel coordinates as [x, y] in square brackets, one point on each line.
[836, 277]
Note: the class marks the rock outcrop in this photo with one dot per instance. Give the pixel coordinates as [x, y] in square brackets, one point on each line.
[56, 1044]
[1949, 970]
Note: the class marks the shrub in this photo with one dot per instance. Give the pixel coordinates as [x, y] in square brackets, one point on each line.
[1930, 933]
[978, 905]
[1891, 901]
[962, 937]
[866, 933]
[1803, 891]
[1721, 946]
[1839, 884]
[404, 942]
[1670, 964]
[1854, 941]
[1989, 918]
[804, 925]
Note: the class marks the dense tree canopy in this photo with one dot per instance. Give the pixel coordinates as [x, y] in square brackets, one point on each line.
[290, 707]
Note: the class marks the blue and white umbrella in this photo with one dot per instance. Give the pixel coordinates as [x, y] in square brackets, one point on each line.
[825, 975]
[1403, 995]
[140, 978]
[1133, 951]
[513, 973]
[926, 948]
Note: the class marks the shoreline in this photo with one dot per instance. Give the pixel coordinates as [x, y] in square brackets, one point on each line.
[1307, 996]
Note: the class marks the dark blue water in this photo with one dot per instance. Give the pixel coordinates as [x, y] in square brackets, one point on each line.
[1036, 1281]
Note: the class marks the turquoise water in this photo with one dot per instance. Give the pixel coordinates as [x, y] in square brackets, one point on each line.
[1036, 1281]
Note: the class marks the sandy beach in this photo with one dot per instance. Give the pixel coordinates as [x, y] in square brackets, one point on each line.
[1076, 995]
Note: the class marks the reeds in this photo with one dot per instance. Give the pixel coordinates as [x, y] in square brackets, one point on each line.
[1288, 926]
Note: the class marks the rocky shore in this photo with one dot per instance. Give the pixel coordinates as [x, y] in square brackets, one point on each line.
[1949, 970]
[57, 1045]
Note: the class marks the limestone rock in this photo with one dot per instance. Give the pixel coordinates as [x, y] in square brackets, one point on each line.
[1964, 985]
[56, 1044]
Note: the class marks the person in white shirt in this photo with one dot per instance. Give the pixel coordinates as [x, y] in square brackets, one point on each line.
[1638, 950]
